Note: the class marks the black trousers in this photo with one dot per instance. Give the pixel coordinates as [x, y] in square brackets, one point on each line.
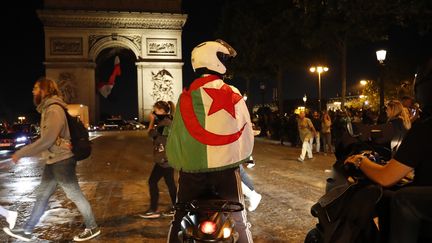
[157, 173]
[196, 185]
[411, 215]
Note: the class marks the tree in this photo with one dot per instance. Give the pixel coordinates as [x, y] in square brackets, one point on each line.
[267, 44]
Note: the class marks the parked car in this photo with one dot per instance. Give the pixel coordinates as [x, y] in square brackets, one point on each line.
[136, 125]
[18, 135]
[115, 124]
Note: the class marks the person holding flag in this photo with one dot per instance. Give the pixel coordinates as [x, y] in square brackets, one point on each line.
[106, 87]
[211, 135]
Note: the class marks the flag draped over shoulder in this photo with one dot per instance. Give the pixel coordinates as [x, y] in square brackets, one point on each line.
[211, 129]
[106, 87]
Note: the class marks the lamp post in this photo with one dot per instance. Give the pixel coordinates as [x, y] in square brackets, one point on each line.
[21, 119]
[304, 100]
[319, 70]
[262, 88]
[381, 55]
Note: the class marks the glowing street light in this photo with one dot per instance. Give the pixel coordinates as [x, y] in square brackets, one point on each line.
[304, 99]
[21, 119]
[245, 97]
[363, 82]
[381, 55]
[319, 70]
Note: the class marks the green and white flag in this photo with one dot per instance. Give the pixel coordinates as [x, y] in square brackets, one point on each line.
[211, 129]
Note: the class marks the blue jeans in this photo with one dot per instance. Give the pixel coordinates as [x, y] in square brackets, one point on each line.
[62, 173]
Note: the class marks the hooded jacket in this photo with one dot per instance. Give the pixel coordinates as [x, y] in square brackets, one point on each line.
[54, 142]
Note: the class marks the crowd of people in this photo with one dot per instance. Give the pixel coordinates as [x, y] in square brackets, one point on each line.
[214, 160]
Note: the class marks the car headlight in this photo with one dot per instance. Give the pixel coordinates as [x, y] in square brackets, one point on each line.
[21, 139]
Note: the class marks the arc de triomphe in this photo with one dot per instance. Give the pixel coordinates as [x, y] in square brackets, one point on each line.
[75, 38]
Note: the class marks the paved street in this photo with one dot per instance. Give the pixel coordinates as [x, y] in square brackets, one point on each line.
[114, 180]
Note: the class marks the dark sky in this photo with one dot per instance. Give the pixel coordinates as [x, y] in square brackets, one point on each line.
[23, 54]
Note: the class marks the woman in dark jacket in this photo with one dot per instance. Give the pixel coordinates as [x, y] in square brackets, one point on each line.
[160, 121]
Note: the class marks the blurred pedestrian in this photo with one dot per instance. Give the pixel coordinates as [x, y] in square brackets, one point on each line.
[160, 120]
[248, 188]
[326, 133]
[306, 132]
[316, 121]
[399, 118]
[411, 108]
[60, 164]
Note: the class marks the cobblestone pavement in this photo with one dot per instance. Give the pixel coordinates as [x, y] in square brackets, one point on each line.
[114, 180]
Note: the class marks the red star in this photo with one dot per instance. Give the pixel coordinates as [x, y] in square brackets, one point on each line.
[223, 98]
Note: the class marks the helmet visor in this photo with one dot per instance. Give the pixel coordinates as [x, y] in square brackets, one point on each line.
[232, 52]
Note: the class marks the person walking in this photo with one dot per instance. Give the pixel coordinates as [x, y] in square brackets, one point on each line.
[60, 165]
[306, 133]
[160, 120]
[248, 189]
[326, 133]
[316, 122]
[10, 216]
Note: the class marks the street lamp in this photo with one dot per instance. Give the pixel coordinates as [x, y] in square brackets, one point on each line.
[262, 88]
[304, 100]
[319, 70]
[381, 55]
[363, 82]
[21, 119]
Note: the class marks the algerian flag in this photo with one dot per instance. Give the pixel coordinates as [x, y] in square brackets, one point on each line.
[211, 129]
[106, 87]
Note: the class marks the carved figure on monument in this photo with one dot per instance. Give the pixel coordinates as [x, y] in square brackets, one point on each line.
[162, 85]
[67, 86]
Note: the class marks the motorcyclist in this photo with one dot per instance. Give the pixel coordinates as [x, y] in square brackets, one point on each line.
[211, 135]
[410, 205]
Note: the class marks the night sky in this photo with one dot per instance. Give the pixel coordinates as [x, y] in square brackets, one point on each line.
[23, 54]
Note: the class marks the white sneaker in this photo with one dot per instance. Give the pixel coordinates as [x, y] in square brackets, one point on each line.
[11, 218]
[254, 201]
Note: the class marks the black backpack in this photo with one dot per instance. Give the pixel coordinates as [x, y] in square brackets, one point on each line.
[81, 144]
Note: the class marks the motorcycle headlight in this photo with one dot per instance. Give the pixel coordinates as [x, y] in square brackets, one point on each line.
[227, 232]
[21, 139]
[208, 227]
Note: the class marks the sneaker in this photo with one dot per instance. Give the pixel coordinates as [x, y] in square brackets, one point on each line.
[11, 218]
[150, 214]
[300, 159]
[18, 233]
[254, 201]
[250, 165]
[169, 213]
[311, 158]
[87, 234]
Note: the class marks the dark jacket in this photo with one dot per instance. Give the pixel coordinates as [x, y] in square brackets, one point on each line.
[160, 134]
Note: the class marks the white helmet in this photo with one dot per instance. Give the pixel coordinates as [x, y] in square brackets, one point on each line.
[211, 56]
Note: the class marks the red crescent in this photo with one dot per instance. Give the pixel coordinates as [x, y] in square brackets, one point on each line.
[197, 131]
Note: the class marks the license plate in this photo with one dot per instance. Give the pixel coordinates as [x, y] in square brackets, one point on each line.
[5, 144]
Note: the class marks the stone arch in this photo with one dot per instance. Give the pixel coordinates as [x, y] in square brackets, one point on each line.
[108, 42]
[75, 39]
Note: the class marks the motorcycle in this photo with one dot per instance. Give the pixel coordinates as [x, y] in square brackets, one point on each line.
[208, 221]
